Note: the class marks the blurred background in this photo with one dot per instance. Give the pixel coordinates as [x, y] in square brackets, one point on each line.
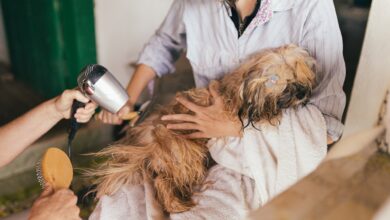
[45, 43]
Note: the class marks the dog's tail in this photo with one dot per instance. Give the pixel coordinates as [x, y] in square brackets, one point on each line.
[179, 156]
[122, 163]
[178, 165]
[149, 150]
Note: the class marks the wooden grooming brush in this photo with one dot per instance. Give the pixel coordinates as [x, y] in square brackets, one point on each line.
[55, 169]
[130, 116]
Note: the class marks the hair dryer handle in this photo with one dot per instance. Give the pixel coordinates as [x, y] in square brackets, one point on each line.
[74, 125]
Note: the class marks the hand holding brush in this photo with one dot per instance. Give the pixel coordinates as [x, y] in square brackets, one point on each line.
[55, 205]
[55, 174]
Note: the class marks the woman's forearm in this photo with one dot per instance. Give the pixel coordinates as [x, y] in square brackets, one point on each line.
[23, 131]
[141, 77]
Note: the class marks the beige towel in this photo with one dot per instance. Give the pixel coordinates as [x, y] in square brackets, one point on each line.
[276, 157]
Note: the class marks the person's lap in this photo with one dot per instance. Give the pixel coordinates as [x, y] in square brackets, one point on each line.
[226, 195]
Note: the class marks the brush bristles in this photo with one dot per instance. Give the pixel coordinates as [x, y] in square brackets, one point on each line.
[38, 172]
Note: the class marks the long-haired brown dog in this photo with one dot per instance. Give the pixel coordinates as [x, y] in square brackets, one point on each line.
[256, 92]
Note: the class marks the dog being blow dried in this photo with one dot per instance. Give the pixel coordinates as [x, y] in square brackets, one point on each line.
[256, 92]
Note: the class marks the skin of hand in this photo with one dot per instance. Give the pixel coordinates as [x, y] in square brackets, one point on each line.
[142, 76]
[55, 206]
[115, 119]
[63, 105]
[38, 121]
[329, 140]
[209, 122]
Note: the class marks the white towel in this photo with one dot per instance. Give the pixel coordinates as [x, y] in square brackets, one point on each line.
[276, 156]
[250, 171]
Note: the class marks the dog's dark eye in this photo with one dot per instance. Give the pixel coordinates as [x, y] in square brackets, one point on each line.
[301, 95]
[301, 92]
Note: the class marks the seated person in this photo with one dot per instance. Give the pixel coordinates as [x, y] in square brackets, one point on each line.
[250, 170]
[217, 36]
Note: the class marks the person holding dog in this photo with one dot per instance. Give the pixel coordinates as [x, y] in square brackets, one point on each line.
[217, 36]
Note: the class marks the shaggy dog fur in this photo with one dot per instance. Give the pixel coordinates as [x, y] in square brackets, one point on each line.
[256, 92]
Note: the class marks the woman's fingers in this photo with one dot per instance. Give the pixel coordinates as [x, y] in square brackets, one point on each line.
[196, 135]
[183, 126]
[90, 105]
[179, 117]
[115, 119]
[83, 115]
[88, 109]
[100, 116]
[191, 106]
[207, 122]
[125, 110]
[83, 119]
[213, 88]
[109, 118]
[79, 96]
[48, 190]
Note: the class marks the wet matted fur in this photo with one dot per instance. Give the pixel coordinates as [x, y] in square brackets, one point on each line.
[256, 92]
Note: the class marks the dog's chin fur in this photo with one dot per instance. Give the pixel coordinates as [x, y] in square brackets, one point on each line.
[176, 165]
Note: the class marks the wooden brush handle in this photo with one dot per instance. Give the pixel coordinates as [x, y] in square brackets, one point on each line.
[130, 116]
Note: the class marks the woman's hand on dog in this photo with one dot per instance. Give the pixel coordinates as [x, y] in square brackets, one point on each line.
[208, 122]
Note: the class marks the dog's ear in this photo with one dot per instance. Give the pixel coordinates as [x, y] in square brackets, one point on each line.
[294, 94]
[252, 94]
[303, 65]
[304, 69]
[299, 90]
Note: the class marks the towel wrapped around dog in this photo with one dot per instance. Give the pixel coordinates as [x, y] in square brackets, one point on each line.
[249, 171]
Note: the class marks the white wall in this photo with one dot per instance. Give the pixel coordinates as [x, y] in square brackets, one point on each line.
[122, 28]
[3, 42]
[373, 75]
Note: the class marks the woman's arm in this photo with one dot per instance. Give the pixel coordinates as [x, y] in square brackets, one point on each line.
[23, 131]
[142, 76]
[156, 59]
[322, 38]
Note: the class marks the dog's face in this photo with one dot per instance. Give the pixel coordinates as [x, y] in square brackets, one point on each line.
[274, 80]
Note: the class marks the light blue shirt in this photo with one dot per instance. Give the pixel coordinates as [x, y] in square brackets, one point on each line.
[205, 31]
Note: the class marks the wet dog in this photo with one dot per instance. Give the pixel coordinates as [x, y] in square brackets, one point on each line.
[256, 92]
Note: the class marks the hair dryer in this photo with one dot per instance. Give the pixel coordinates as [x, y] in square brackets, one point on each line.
[96, 82]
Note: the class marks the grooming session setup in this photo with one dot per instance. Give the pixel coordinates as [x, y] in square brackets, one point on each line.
[195, 109]
[258, 91]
